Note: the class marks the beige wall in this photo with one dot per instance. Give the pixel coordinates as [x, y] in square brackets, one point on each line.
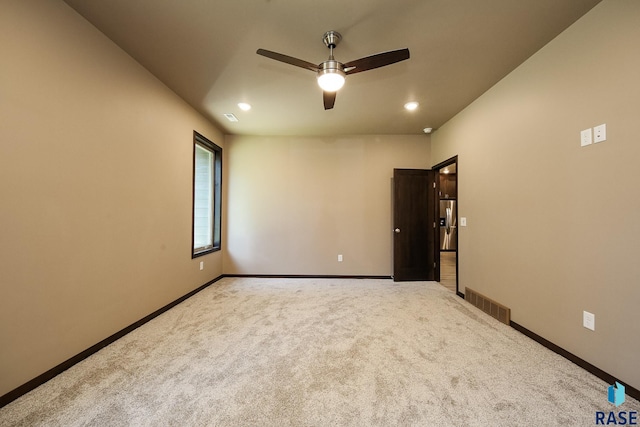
[552, 227]
[295, 203]
[95, 190]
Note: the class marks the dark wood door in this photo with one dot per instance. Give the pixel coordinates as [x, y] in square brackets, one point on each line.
[415, 230]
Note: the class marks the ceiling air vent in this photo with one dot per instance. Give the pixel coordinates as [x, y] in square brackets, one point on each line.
[231, 117]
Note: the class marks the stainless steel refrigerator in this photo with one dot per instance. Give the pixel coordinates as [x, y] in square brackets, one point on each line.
[448, 226]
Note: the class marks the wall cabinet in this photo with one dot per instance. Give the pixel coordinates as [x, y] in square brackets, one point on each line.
[448, 186]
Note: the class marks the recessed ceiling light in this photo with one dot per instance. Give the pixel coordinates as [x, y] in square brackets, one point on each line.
[231, 117]
[244, 106]
[427, 130]
[411, 105]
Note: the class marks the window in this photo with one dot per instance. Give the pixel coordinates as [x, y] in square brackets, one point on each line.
[207, 195]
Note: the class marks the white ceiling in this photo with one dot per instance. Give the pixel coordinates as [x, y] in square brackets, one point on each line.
[204, 50]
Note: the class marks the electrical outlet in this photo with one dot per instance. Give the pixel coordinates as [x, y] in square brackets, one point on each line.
[585, 137]
[201, 265]
[339, 258]
[600, 133]
[589, 320]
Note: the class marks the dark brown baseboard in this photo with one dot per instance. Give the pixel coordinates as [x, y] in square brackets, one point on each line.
[608, 378]
[303, 276]
[43, 378]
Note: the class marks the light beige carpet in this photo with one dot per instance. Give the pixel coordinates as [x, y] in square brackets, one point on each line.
[276, 352]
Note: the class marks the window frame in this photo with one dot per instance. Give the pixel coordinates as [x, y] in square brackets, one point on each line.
[216, 199]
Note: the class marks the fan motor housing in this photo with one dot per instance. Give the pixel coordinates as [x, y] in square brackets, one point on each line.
[330, 66]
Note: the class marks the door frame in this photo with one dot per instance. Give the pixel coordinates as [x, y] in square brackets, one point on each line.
[442, 165]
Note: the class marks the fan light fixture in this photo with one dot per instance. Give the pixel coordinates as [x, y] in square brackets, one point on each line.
[330, 80]
[331, 75]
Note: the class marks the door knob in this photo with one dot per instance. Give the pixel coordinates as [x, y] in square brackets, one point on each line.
[397, 230]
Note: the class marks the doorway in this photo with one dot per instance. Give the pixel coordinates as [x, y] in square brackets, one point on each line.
[447, 256]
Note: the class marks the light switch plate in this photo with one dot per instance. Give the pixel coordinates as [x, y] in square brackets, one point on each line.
[463, 221]
[600, 133]
[589, 320]
[585, 137]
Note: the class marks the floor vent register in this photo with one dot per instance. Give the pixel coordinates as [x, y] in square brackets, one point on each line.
[489, 306]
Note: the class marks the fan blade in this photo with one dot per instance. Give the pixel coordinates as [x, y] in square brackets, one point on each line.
[329, 99]
[376, 61]
[287, 59]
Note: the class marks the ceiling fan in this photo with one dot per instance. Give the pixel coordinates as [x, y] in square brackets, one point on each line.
[331, 73]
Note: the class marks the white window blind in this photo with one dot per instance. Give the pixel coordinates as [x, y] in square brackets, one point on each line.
[203, 200]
